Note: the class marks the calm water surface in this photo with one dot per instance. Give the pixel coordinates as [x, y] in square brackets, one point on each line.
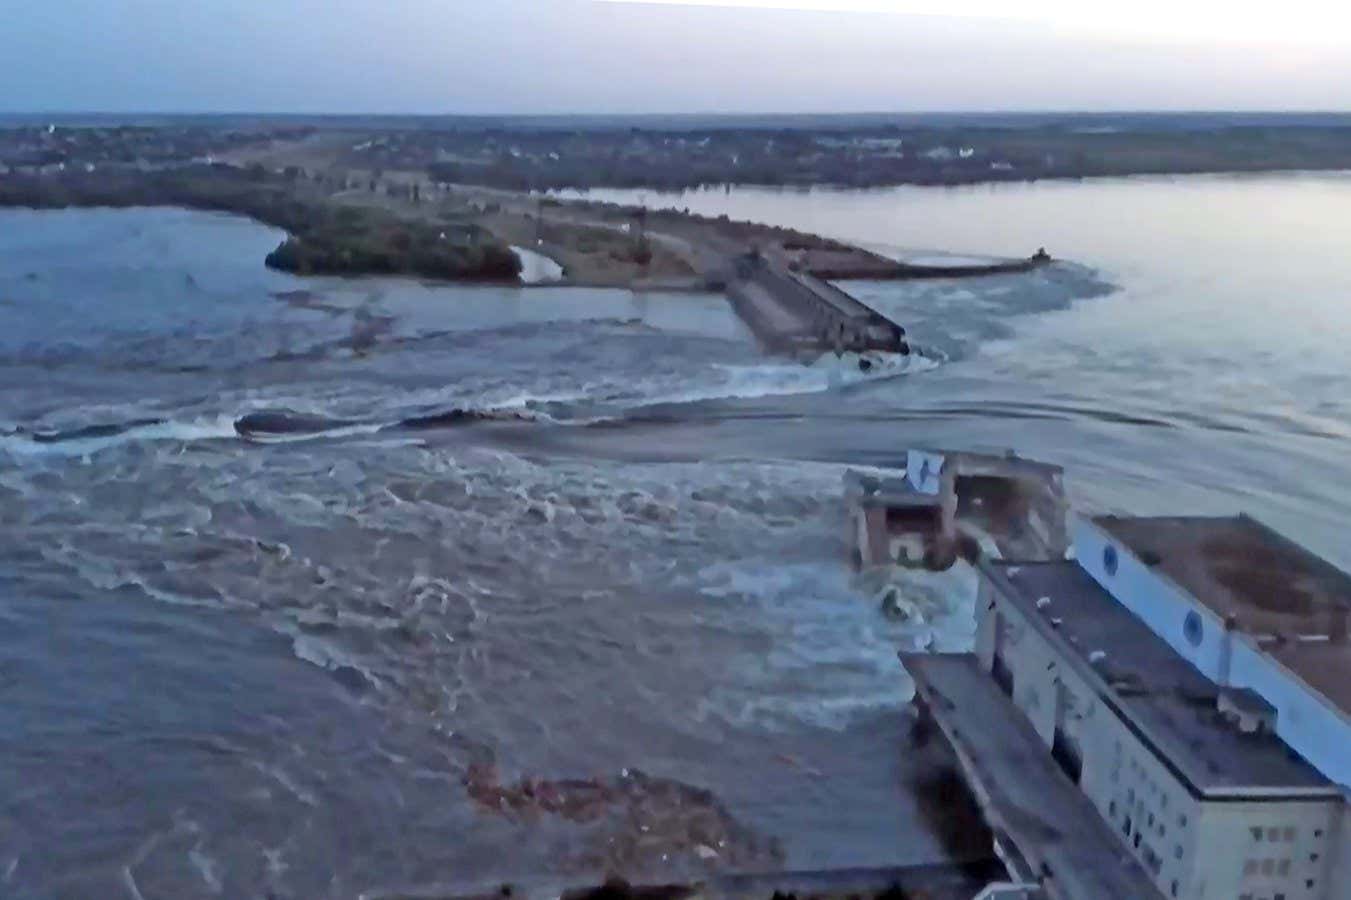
[234, 667]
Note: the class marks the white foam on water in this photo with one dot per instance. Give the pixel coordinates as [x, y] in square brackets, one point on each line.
[112, 575]
[201, 429]
[748, 382]
[283, 778]
[933, 611]
[357, 430]
[834, 649]
[833, 656]
[275, 859]
[322, 653]
[208, 868]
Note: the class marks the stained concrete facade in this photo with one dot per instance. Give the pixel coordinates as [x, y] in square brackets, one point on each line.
[1208, 811]
[952, 504]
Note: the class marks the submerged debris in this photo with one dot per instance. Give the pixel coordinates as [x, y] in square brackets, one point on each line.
[641, 823]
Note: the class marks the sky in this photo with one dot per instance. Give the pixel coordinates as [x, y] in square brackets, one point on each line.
[624, 56]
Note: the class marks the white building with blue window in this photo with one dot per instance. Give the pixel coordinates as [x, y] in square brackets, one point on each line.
[1192, 678]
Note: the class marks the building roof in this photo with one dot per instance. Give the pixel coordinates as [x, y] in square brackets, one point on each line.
[1293, 603]
[1171, 705]
[1249, 575]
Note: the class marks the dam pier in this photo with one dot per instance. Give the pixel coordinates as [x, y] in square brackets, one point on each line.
[786, 300]
[797, 314]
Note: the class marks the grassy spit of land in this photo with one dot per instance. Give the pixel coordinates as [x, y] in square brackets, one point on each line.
[325, 236]
[348, 222]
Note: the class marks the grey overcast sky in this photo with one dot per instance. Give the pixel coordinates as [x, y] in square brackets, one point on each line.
[592, 56]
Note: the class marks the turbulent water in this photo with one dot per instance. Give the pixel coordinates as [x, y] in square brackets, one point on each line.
[329, 588]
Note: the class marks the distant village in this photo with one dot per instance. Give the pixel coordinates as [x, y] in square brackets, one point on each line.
[869, 155]
[54, 149]
[667, 154]
[658, 159]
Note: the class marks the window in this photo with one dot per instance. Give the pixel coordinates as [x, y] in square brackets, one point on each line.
[1283, 868]
[1177, 852]
[1111, 809]
[1110, 560]
[1289, 835]
[1172, 889]
[1268, 867]
[1273, 834]
[1256, 833]
[1192, 629]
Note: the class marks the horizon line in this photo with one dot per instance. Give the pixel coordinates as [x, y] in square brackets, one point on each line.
[1018, 111]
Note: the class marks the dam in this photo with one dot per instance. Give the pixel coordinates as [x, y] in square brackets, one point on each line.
[789, 302]
[797, 314]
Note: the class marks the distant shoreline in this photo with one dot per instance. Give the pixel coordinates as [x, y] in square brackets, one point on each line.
[400, 225]
[447, 198]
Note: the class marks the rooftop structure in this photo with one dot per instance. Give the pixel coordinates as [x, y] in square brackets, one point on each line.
[1185, 680]
[1171, 707]
[1260, 582]
[1247, 608]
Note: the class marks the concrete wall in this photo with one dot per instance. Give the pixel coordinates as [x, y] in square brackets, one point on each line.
[1310, 725]
[1035, 670]
[1192, 849]
[1151, 813]
[1271, 849]
[986, 623]
[1339, 871]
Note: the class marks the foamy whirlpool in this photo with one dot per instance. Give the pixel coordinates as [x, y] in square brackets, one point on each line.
[834, 645]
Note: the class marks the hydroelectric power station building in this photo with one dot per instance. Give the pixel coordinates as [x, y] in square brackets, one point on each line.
[1167, 714]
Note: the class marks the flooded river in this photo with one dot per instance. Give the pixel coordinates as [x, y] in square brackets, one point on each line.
[315, 588]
